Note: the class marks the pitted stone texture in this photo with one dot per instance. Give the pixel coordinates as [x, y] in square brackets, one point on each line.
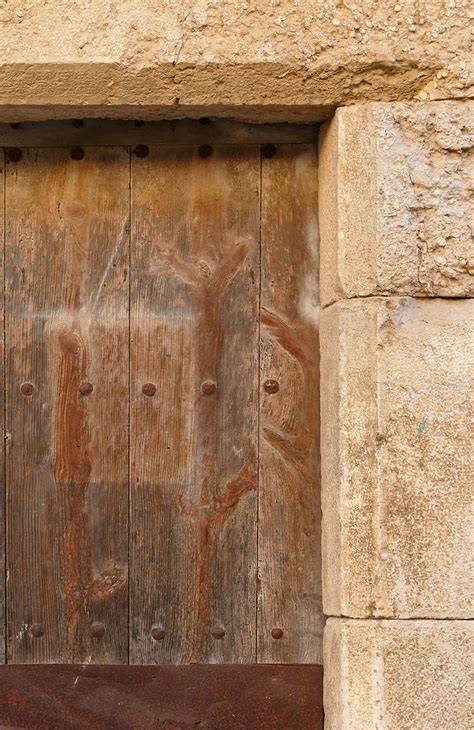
[398, 675]
[397, 201]
[396, 443]
[267, 61]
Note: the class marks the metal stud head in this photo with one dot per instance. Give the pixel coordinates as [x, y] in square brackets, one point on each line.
[27, 389]
[37, 630]
[149, 389]
[77, 153]
[271, 386]
[98, 631]
[141, 150]
[205, 150]
[14, 154]
[208, 387]
[157, 633]
[268, 150]
[218, 632]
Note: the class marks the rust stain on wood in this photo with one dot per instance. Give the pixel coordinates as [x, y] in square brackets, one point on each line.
[210, 517]
[71, 469]
[291, 338]
[298, 449]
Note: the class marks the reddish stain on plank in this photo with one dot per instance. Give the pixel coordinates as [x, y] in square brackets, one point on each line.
[300, 342]
[211, 519]
[72, 468]
[289, 337]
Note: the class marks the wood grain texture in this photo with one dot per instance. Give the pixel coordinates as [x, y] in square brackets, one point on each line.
[289, 490]
[102, 132]
[2, 415]
[67, 292]
[194, 324]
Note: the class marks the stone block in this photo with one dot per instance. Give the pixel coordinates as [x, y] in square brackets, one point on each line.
[398, 675]
[288, 61]
[396, 402]
[396, 201]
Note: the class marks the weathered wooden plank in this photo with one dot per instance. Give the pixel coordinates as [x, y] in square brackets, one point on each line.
[67, 329]
[194, 325]
[289, 603]
[2, 417]
[104, 132]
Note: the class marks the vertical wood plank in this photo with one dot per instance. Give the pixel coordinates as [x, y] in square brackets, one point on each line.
[2, 412]
[67, 296]
[289, 603]
[194, 324]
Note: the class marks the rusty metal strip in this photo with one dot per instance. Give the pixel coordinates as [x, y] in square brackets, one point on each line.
[125, 697]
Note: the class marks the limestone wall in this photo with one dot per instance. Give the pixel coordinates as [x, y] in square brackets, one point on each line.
[397, 364]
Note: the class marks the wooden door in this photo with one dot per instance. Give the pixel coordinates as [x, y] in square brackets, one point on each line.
[161, 403]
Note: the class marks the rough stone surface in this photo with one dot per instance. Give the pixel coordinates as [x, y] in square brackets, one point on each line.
[396, 399]
[397, 201]
[287, 59]
[398, 675]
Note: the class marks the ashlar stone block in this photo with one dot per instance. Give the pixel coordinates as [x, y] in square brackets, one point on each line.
[397, 675]
[396, 200]
[396, 441]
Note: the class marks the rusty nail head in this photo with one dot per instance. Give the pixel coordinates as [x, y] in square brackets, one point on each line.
[98, 630]
[141, 150]
[277, 633]
[77, 153]
[208, 387]
[86, 388]
[27, 388]
[268, 150]
[15, 154]
[37, 630]
[149, 389]
[157, 633]
[205, 150]
[271, 386]
[218, 632]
